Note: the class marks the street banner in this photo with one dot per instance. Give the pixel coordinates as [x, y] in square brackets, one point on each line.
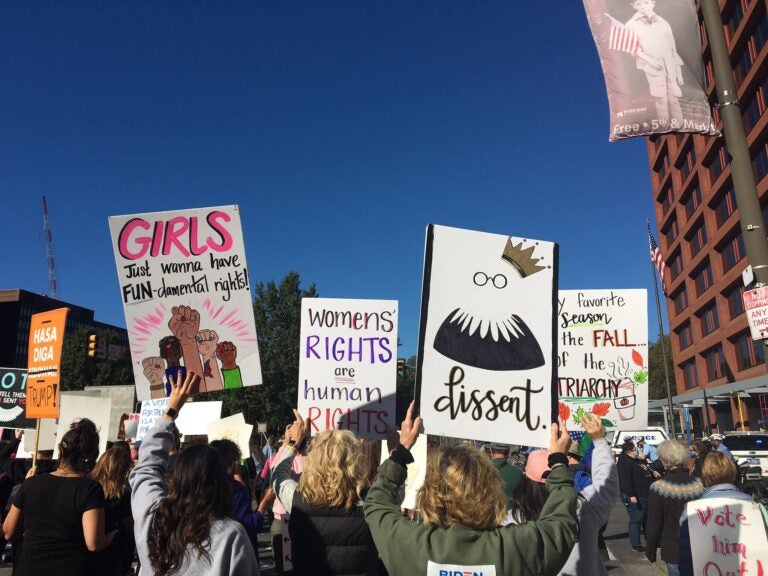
[46, 337]
[75, 407]
[728, 536]
[13, 398]
[348, 365]
[187, 298]
[756, 306]
[603, 357]
[232, 428]
[193, 418]
[650, 53]
[487, 336]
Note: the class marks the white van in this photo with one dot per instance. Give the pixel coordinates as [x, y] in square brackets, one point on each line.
[653, 435]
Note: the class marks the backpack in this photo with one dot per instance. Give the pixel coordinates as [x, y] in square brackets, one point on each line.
[581, 480]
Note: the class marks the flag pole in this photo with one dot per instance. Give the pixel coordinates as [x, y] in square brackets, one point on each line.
[661, 343]
[744, 188]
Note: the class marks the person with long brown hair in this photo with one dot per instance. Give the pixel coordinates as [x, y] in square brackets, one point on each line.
[62, 513]
[111, 472]
[184, 526]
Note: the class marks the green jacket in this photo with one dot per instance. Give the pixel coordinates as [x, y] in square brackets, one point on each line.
[533, 548]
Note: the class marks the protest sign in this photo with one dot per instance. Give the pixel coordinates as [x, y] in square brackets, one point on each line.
[415, 471]
[47, 439]
[232, 428]
[46, 337]
[347, 365]
[131, 425]
[187, 298]
[651, 59]
[13, 398]
[487, 336]
[193, 418]
[727, 537]
[75, 407]
[603, 357]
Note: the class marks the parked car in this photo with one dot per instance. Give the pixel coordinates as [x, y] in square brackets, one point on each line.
[652, 435]
[749, 449]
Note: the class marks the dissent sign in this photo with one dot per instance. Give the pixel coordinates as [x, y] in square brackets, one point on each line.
[46, 337]
[347, 365]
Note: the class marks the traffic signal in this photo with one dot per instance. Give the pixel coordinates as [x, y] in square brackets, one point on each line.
[96, 346]
[401, 367]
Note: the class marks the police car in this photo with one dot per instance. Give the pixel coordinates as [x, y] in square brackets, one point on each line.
[652, 435]
[750, 448]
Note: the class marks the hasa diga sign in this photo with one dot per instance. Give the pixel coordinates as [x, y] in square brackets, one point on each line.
[46, 337]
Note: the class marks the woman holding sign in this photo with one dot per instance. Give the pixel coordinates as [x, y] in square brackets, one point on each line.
[62, 513]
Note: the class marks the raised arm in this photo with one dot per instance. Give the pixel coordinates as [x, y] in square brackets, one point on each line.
[283, 485]
[601, 494]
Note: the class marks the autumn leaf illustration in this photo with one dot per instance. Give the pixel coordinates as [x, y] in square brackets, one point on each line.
[637, 358]
[563, 410]
[601, 408]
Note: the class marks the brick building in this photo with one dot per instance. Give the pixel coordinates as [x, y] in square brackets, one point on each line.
[717, 364]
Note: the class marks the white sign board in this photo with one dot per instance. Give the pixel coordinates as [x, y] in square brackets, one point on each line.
[603, 357]
[415, 471]
[756, 306]
[232, 428]
[47, 439]
[727, 537]
[75, 407]
[487, 336]
[187, 298]
[193, 417]
[348, 365]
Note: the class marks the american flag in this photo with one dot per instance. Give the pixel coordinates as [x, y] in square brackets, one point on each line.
[622, 38]
[657, 259]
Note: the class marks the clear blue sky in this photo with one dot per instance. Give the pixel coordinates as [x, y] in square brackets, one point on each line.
[340, 128]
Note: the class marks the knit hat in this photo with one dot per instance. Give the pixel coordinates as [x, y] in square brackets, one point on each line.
[537, 465]
[574, 450]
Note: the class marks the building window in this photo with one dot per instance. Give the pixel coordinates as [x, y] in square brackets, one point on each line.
[725, 206]
[671, 232]
[690, 378]
[715, 360]
[752, 112]
[749, 352]
[698, 238]
[692, 200]
[667, 198]
[735, 299]
[675, 265]
[732, 252]
[684, 336]
[703, 278]
[680, 300]
[717, 165]
[733, 19]
[708, 320]
[760, 163]
[688, 163]
[761, 34]
[744, 65]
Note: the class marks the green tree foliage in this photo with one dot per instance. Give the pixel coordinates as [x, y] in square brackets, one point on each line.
[277, 309]
[657, 385]
[79, 371]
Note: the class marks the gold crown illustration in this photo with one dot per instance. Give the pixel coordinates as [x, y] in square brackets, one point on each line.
[522, 258]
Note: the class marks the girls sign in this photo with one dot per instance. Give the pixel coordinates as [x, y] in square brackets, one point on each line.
[187, 298]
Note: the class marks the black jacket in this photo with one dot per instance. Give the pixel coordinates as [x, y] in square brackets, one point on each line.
[330, 541]
[634, 477]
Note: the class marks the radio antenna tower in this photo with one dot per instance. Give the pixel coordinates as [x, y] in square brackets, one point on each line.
[49, 249]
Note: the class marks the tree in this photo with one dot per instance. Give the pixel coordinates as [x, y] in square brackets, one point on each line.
[79, 371]
[657, 385]
[277, 310]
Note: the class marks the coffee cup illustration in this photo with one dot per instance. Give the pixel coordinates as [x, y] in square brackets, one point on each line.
[625, 399]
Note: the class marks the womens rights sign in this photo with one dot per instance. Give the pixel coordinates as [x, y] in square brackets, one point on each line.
[187, 298]
[487, 336]
[347, 365]
[603, 357]
[727, 537]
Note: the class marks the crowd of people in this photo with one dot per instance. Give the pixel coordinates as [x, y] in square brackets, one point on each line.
[335, 506]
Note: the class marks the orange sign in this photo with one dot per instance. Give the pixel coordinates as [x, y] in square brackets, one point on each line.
[46, 336]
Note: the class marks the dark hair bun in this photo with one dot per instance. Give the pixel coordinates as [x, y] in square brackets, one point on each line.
[79, 447]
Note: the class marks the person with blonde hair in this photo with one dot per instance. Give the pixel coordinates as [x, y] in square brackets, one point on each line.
[463, 505]
[718, 474]
[666, 502]
[328, 532]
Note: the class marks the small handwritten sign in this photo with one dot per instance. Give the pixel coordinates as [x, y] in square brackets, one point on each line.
[727, 537]
[756, 306]
[347, 365]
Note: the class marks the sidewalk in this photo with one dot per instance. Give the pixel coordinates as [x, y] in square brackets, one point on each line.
[624, 560]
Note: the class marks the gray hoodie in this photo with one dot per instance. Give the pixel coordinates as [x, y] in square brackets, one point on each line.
[229, 548]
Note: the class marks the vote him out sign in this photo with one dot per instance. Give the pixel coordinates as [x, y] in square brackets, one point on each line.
[46, 337]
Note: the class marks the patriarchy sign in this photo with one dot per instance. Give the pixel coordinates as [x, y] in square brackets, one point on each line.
[348, 364]
[187, 298]
[728, 536]
[650, 53]
[603, 357]
[13, 398]
[46, 338]
[487, 336]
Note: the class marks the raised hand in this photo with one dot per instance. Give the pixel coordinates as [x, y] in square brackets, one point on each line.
[559, 440]
[154, 369]
[181, 390]
[593, 426]
[227, 353]
[410, 427]
[184, 323]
